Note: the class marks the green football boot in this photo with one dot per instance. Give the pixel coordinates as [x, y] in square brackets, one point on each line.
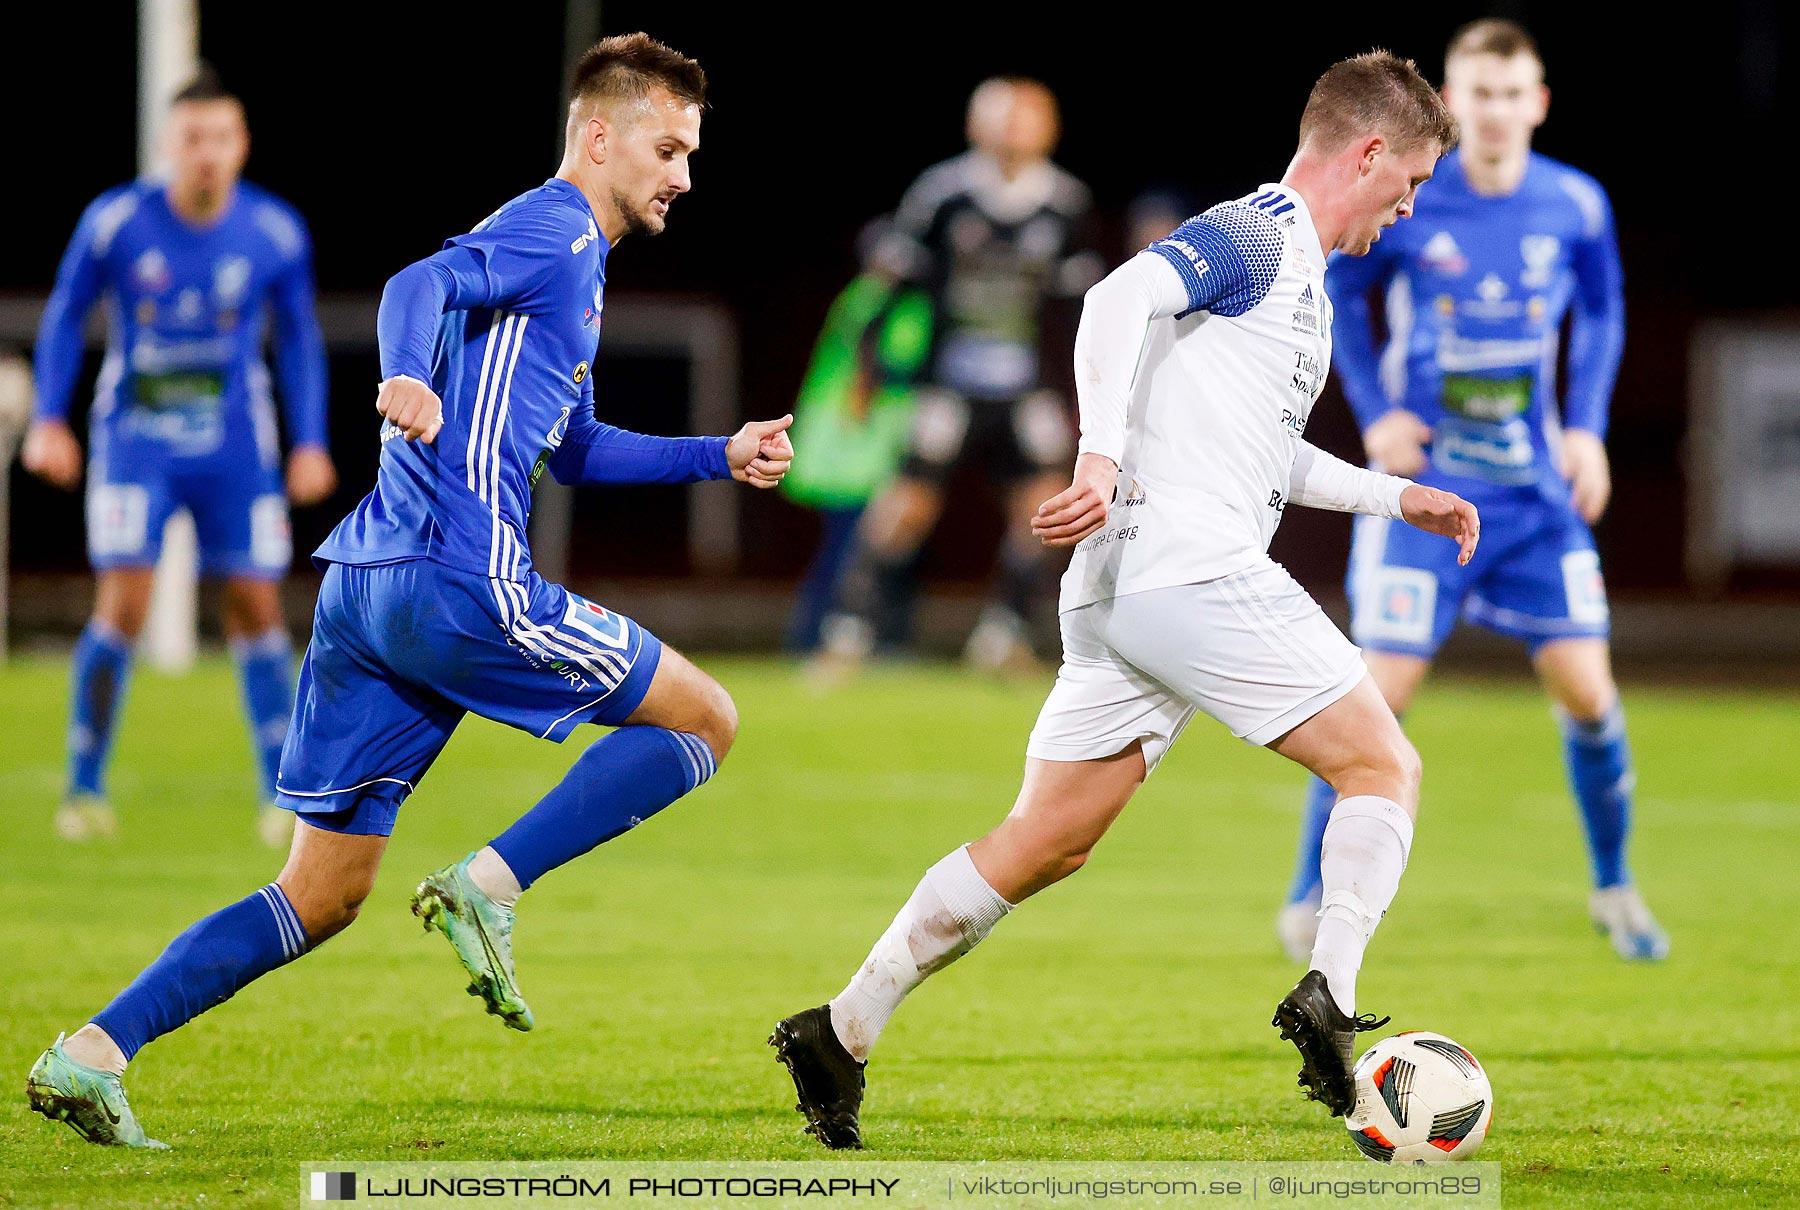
[91, 1101]
[480, 931]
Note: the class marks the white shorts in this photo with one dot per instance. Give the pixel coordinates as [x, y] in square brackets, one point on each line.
[1252, 649]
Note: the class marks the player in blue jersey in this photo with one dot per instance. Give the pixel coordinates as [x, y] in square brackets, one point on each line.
[430, 608]
[1504, 245]
[182, 418]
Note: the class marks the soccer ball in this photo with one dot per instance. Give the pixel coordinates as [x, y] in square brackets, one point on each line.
[1420, 1099]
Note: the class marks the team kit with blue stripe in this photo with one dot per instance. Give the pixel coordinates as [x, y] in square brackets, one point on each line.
[1475, 292]
[430, 607]
[183, 413]
[183, 417]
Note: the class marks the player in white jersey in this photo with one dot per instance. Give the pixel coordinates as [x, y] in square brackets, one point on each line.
[1197, 363]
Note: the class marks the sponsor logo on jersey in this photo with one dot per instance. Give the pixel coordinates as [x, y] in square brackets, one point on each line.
[1539, 253]
[151, 272]
[231, 280]
[1192, 253]
[579, 373]
[1441, 255]
[1306, 296]
[584, 239]
[1492, 301]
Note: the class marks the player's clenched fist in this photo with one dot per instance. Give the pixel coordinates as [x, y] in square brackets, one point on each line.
[1583, 463]
[53, 453]
[310, 475]
[1446, 513]
[412, 407]
[760, 452]
[1071, 515]
[1396, 443]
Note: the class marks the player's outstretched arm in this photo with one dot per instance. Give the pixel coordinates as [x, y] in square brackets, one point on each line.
[1077, 512]
[1322, 480]
[594, 453]
[1440, 512]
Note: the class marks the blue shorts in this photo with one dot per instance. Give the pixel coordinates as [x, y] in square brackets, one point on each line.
[400, 652]
[240, 515]
[1535, 576]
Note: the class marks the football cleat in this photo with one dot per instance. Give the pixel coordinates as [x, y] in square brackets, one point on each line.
[90, 1100]
[828, 1080]
[86, 817]
[1620, 913]
[480, 931]
[1326, 1039]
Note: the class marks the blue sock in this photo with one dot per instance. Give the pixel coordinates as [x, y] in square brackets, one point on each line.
[204, 967]
[619, 782]
[1599, 763]
[266, 674]
[1308, 881]
[101, 665]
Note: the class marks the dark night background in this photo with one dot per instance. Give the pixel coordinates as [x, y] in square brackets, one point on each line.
[392, 127]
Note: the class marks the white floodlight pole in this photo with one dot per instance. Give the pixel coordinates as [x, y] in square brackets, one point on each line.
[168, 54]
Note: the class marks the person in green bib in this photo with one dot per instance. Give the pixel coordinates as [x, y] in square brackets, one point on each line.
[854, 409]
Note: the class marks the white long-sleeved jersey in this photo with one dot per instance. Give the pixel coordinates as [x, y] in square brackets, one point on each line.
[1197, 364]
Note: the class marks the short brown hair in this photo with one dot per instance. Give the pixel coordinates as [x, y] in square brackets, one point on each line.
[1376, 92]
[628, 66]
[1492, 36]
[204, 86]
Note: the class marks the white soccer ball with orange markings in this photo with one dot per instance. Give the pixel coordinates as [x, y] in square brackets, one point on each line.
[1421, 1098]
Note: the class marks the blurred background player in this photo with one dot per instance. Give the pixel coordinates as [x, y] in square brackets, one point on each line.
[182, 418]
[852, 415]
[998, 239]
[1504, 245]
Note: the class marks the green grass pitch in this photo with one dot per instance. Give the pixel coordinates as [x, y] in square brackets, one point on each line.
[1122, 1015]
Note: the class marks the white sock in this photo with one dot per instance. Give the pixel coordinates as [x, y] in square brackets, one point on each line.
[92, 1046]
[1366, 845]
[494, 878]
[950, 911]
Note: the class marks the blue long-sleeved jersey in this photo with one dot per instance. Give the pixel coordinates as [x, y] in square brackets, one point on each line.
[184, 376]
[503, 323]
[1475, 291]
